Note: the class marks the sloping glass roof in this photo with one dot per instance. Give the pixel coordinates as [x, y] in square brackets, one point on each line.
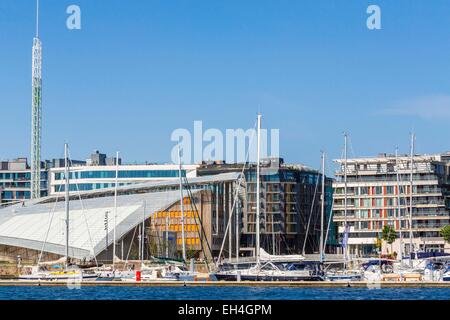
[41, 226]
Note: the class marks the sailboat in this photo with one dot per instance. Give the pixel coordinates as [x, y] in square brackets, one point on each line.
[53, 271]
[400, 267]
[170, 270]
[111, 273]
[180, 272]
[333, 274]
[446, 274]
[415, 266]
[268, 267]
[341, 274]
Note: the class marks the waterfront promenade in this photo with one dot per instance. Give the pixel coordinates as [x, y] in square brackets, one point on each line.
[312, 284]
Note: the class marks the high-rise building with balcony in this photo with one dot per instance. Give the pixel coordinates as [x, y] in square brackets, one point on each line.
[15, 181]
[290, 206]
[376, 197]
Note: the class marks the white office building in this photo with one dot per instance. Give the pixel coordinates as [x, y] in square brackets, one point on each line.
[94, 177]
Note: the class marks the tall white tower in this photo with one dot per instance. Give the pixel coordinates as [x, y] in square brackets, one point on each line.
[36, 112]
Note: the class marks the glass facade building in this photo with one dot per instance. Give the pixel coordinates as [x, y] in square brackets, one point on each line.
[290, 206]
[15, 176]
[85, 178]
[111, 174]
[290, 209]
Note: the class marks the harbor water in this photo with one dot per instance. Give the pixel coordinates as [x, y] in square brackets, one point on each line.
[219, 293]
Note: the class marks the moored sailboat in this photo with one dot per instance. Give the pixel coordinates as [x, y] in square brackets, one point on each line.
[63, 270]
[265, 267]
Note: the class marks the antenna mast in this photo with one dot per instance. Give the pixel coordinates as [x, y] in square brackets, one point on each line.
[36, 111]
[37, 18]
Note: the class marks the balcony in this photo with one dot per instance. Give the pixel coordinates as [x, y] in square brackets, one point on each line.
[429, 225]
[392, 178]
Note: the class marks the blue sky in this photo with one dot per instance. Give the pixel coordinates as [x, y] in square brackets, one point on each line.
[137, 70]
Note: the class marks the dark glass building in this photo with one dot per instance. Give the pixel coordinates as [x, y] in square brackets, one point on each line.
[290, 207]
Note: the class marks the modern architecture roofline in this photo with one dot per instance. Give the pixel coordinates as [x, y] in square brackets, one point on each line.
[136, 188]
[389, 158]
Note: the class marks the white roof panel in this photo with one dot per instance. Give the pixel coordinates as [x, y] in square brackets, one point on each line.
[37, 226]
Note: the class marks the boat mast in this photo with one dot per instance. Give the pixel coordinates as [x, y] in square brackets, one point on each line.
[411, 200]
[66, 189]
[345, 199]
[181, 205]
[143, 231]
[139, 242]
[399, 216]
[237, 228]
[115, 208]
[258, 193]
[167, 234]
[322, 211]
[273, 235]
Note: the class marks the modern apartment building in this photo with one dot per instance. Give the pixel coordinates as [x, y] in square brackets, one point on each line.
[15, 184]
[290, 206]
[375, 199]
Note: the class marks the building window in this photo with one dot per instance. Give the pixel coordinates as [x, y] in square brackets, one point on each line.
[364, 214]
[366, 202]
[109, 174]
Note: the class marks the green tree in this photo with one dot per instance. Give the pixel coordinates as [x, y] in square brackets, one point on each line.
[378, 244]
[445, 233]
[389, 234]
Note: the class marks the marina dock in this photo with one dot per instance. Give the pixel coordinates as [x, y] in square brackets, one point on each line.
[299, 284]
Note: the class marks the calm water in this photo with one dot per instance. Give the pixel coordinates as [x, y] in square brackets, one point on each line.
[199, 293]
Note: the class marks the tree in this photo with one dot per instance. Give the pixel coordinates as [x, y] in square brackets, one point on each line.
[389, 234]
[378, 244]
[445, 233]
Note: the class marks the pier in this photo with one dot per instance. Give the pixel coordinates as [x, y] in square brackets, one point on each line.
[290, 284]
